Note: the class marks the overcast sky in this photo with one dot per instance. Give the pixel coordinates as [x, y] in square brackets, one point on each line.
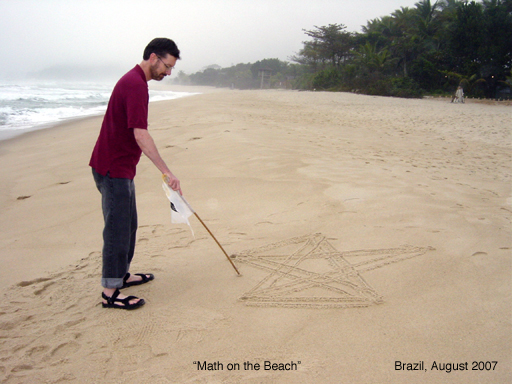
[36, 34]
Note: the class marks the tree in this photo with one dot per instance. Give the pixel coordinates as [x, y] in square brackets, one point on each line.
[427, 15]
[331, 45]
[405, 42]
[372, 60]
[480, 41]
[433, 46]
[468, 83]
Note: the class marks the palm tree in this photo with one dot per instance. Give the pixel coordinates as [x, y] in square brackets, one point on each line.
[405, 41]
[468, 83]
[426, 17]
[373, 60]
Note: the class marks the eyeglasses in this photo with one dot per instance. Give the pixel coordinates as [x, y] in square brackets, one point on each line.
[167, 67]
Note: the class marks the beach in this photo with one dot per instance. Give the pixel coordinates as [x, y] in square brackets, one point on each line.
[373, 237]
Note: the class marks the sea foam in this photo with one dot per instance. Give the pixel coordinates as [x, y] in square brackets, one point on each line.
[32, 106]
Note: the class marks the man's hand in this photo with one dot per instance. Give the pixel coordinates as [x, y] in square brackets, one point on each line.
[173, 182]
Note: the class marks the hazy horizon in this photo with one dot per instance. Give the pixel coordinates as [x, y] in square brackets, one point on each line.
[103, 39]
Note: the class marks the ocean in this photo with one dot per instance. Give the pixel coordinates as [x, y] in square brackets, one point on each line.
[29, 106]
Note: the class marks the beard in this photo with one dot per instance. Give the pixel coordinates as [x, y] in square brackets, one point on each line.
[155, 74]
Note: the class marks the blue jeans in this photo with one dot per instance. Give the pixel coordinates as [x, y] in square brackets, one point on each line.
[119, 234]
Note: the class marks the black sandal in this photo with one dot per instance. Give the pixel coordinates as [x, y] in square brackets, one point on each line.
[144, 280]
[112, 301]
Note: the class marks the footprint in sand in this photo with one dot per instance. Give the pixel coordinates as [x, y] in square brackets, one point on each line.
[65, 350]
[480, 260]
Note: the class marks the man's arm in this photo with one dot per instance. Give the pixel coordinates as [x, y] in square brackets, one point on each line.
[148, 147]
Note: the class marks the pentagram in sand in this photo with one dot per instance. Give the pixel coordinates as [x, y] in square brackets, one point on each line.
[308, 271]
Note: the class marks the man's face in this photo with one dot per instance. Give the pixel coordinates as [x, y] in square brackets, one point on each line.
[162, 66]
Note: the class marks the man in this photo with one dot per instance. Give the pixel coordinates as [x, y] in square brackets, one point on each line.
[123, 137]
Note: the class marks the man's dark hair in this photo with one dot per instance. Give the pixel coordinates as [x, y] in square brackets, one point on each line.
[161, 46]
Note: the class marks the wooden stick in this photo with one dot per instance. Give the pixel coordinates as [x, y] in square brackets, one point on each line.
[166, 179]
[220, 246]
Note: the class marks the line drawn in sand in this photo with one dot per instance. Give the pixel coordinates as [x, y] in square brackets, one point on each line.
[308, 271]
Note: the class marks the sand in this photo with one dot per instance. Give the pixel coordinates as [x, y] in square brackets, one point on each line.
[368, 231]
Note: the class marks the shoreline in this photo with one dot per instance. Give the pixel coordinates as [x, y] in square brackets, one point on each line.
[9, 134]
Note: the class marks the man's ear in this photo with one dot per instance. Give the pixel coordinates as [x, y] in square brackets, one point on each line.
[153, 58]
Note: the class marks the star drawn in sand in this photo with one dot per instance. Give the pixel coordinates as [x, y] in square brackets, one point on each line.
[308, 271]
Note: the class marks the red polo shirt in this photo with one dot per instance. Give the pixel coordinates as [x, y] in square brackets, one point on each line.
[116, 151]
